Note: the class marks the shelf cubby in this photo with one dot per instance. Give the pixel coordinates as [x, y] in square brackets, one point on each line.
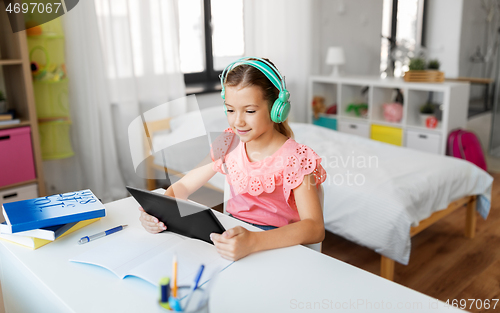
[328, 91]
[417, 98]
[352, 94]
[381, 96]
[452, 98]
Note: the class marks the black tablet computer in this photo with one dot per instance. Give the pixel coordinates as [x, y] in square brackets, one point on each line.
[183, 217]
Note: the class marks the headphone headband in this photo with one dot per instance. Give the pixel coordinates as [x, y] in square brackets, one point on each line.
[262, 65]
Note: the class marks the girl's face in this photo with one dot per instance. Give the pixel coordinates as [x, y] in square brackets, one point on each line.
[247, 112]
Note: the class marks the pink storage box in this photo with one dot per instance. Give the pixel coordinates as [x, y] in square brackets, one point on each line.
[16, 156]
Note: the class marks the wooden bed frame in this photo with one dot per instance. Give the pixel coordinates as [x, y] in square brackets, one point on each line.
[386, 264]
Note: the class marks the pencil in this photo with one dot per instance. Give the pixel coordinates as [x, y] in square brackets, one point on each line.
[174, 274]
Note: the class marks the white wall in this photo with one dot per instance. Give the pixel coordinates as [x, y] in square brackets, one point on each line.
[355, 25]
[295, 35]
[281, 30]
[443, 33]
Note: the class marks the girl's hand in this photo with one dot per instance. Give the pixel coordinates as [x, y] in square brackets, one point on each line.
[151, 223]
[234, 243]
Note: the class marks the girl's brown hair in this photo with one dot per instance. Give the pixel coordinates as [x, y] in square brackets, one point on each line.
[245, 76]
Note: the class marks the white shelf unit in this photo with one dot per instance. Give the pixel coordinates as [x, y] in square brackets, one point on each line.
[342, 90]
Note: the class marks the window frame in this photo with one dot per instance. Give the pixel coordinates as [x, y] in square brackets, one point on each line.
[394, 22]
[209, 75]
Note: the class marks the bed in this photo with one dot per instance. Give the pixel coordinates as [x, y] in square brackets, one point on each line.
[376, 195]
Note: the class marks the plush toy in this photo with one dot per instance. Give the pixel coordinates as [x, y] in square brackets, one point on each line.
[359, 109]
[318, 105]
[393, 112]
[332, 109]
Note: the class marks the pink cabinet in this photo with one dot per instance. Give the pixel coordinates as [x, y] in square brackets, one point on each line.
[16, 156]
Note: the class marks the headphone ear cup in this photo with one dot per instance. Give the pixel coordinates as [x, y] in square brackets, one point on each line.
[280, 110]
[276, 111]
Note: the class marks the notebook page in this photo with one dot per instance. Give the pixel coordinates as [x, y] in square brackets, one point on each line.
[124, 250]
[190, 255]
[135, 252]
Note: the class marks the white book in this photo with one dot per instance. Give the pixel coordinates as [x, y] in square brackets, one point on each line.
[36, 233]
[135, 252]
[47, 233]
[10, 122]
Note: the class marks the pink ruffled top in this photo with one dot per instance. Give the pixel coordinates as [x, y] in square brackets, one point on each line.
[262, 191]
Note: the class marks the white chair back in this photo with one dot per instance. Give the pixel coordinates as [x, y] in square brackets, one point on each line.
[321, 194]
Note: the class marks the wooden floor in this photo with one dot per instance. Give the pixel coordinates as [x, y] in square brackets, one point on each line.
[443, 263]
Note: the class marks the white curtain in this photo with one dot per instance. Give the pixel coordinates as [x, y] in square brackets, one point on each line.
[140, 43]
[122, 59]
[281, 30]
[94, 165]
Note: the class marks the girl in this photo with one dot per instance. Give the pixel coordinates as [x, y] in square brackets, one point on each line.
[274, 180]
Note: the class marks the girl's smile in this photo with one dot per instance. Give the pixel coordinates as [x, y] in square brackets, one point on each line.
[242, 132]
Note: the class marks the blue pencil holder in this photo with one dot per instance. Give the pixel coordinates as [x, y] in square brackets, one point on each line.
[197, 304]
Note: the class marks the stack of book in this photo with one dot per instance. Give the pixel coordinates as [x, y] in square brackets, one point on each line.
[8, 119]
[36, 222]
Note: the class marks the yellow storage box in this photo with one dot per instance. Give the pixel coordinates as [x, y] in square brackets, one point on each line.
[387, 134]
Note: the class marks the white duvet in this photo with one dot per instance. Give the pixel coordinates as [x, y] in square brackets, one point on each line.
[374, 191]
[396, 187]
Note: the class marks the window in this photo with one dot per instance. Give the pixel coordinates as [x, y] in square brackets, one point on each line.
[402, 34]
[211, 35]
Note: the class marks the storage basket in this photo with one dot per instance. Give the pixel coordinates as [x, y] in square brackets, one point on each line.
[51, 99]
[51, 41]
[424, 76]
[47, 61]
[326, 121]
[55, 139]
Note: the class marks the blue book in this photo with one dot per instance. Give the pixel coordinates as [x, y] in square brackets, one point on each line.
[50, 211]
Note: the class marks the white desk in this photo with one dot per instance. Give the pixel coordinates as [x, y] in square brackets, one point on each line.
[290, 279]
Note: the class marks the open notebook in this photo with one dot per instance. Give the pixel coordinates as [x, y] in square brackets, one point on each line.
[135, 252]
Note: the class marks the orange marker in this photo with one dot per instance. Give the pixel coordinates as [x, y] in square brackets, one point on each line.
[174, 274]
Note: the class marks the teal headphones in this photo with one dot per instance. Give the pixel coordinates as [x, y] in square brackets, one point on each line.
[281, 106]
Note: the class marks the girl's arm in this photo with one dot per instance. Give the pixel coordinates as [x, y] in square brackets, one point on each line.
[192, 181]
[182, 189]
[238, 242]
